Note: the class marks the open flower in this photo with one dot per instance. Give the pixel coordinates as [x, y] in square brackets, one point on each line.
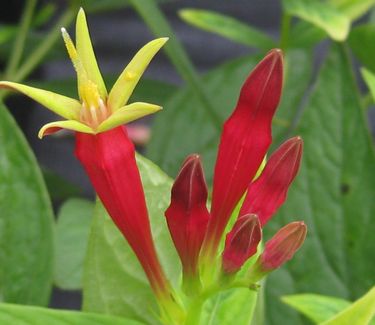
[105, 151]
[96, 110]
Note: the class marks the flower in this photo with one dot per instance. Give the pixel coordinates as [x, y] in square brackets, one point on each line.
[97, 111]
[241, 243]
[244, 142]
[105, 151]
[187, 217]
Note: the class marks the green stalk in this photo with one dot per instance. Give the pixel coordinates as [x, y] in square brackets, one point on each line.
[286, 21]
[194, 312]
[41, 51]
[19, 43]
[155, 19]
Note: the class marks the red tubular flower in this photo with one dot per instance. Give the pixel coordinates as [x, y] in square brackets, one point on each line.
[282, 246]
[241, 243]
[266, 194]
[187, 216]
[109, 160]
[244, 142]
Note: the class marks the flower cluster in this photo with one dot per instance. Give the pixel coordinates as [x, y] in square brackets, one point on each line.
[108, 156]
[245, 140]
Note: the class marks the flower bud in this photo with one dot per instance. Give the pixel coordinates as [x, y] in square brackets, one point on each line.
[282, 246]
[266, 194]
[241, 243]
[244, 142]
[187, 216]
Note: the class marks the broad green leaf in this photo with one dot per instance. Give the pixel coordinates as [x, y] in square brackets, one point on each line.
[304, 34]
[369, 78]
[318, 308]
[361, 41]
[353, 8]
[26, 221]
[25, 315]
[7, 32]
[72, 233]
[359, 313]
[227, 27]
[333, 193]
[183, 127]
[114, 282]
[321, 14]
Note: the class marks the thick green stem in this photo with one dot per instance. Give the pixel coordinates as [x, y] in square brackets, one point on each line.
[194, 312]
[19, 42]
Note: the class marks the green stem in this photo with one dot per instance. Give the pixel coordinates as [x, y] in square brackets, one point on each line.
[194, 312]
[285, 30]
[19, 43]
[155, 19]
[41, 51]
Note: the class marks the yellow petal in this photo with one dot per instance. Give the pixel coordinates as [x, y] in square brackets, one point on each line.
[87, 55]
[69, 125]
[125, 84]
[128, 114]
[66, 107]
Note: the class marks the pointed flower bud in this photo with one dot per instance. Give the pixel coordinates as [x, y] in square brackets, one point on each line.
[241, 243]
[282, 246]
[244, 142]
[187, 216]
[266, 194]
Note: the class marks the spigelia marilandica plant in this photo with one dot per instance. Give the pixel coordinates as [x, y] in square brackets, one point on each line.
[108, 156]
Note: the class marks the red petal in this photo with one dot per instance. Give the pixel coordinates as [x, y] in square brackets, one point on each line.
[283, 245]
[241, 243]
[244, 142]
[268, 192]
[109, 160]
[187, 215]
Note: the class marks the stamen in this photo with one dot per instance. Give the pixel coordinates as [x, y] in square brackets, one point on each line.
[103, 109]
[94, 116]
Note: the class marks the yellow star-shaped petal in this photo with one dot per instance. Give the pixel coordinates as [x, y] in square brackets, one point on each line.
[96, 111]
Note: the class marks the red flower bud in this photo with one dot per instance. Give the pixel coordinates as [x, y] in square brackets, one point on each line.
[282, 246]
[241, 243]
[244, 142]
[187, 216]
[268, 192]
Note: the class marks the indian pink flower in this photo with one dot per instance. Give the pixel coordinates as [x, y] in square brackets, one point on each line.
[104, 149]
[187, 217]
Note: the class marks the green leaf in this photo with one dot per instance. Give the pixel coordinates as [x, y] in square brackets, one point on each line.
[359, 313]
[72, 233]
[26, 221]
[227, 27]
[183, 127]
[321, 14]
[369, 78]
[333, 193]
[318, 308]
[353, 8]
[361, 41]
[25, 315]
[114, 282]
